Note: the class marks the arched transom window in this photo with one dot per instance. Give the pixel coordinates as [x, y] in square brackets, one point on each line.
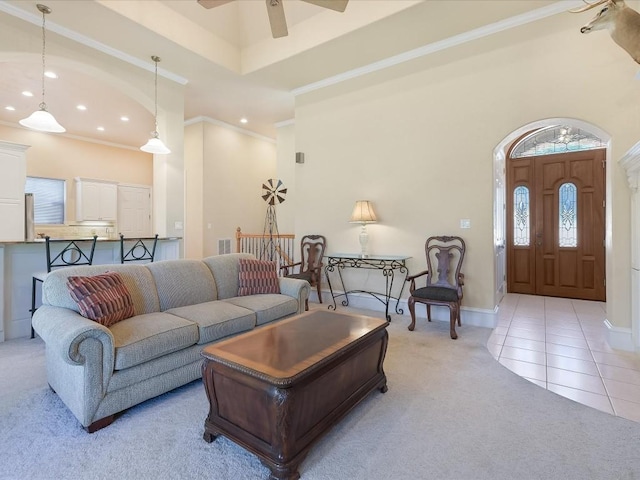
[555, 139]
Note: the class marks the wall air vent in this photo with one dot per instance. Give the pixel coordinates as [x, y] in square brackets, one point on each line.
[224, 246]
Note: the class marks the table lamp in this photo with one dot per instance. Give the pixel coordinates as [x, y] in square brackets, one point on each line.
[363, 213]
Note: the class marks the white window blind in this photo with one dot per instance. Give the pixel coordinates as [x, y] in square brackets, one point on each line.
[48, 199]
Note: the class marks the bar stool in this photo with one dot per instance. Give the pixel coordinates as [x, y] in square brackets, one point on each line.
[142, 249]
[69, 256]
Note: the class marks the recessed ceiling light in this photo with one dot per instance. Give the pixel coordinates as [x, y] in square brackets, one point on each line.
[243, 120]
[124, 119]
[81, 107]
[27, 93]
[50, 74]
[100, 129]
[9, 107]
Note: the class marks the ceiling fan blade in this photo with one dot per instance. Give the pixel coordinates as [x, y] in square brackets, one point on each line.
[213, 3]
[276, 18]
[337, 5]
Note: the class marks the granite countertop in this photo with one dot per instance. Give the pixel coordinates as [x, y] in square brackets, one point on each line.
[100, 239]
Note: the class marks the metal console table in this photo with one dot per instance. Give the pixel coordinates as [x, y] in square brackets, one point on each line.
[389, 264]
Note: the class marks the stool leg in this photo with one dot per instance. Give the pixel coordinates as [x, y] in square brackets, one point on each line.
[33, 302]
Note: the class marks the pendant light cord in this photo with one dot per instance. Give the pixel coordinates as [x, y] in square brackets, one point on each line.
[155, 102]
[42, 104]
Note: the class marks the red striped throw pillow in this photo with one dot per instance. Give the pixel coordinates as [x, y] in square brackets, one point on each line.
[257, 276]
[103, 298]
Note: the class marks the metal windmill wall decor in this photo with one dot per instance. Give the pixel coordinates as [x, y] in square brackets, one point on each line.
[273, 192]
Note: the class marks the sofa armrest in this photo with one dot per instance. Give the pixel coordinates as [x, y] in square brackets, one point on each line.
[64, 332]
[298, 289]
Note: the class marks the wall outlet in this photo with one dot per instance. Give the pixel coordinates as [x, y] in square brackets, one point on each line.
[178, 225]
[465, 223]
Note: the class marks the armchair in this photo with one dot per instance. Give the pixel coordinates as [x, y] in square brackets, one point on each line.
[312, 249]
[444, 280]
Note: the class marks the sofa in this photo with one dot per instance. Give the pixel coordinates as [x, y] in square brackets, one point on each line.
[179, 307]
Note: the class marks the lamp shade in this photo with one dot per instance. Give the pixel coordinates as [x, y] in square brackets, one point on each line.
[155, 145]
[42, 121]
[363, 213]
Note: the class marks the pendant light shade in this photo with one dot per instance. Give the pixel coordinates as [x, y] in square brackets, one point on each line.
[41, 120]
[154, 144]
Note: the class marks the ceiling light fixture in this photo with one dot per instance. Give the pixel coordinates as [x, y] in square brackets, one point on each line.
[27, 93]
[41, 120]
[81, 107]
[155, 145]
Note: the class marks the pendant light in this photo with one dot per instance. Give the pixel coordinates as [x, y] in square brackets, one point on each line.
[155, 145]
[41, 120]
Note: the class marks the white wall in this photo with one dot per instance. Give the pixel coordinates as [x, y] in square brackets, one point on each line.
[233, 166]
[418, 140]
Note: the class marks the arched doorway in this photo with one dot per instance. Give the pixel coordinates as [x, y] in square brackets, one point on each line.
[549, 215]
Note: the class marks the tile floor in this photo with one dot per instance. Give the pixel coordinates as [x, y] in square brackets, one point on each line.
[560, 344]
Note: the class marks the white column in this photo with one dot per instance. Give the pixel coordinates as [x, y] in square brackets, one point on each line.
[631, 163]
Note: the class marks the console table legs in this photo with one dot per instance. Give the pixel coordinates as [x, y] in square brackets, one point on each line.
[388, 266]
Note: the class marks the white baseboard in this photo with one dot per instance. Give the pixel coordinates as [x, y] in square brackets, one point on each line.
[469, 316]
[619, 338]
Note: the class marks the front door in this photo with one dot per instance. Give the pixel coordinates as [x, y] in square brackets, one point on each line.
[555, 225]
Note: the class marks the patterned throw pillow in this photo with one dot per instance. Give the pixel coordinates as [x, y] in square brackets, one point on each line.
[102, 298]
[257, 276]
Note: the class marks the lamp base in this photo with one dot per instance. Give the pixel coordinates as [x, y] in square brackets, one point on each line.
[364, 239]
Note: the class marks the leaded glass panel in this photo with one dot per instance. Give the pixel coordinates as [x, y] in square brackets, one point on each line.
[568, 222]
[555, 139]
[521, 216]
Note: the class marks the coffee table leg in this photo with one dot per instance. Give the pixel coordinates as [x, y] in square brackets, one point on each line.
[209, 436]
[282, 472]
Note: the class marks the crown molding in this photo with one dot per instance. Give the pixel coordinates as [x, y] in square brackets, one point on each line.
[475, 34]
[220, 123]
[84, 40]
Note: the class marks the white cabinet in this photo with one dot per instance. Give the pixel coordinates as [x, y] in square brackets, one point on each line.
[96, 200]
[13, 166]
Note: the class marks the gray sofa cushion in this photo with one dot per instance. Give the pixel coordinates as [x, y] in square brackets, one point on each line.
[137, 279]
[225, 272]
[268, 307]
[182, 282]
[145, 337]
[217, 319]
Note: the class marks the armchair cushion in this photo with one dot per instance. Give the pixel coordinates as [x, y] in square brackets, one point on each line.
[102, 298]
[442, 294]
[256, 277]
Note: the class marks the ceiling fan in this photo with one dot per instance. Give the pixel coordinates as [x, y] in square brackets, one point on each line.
[276, 11]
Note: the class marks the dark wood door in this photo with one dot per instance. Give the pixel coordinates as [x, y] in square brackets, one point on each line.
[561, 254]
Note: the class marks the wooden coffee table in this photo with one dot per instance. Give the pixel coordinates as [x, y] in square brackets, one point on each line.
[277, 389]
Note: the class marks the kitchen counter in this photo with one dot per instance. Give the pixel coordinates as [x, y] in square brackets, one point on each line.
[19, 260]
[100, 239]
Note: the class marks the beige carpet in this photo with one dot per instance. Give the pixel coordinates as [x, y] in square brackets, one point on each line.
[451, 412]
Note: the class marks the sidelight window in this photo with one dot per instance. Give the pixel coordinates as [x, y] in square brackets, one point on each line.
[521, 215]
[568, 222]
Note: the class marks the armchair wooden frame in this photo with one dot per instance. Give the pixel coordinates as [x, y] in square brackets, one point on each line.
[312, 249]
[444, 280]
